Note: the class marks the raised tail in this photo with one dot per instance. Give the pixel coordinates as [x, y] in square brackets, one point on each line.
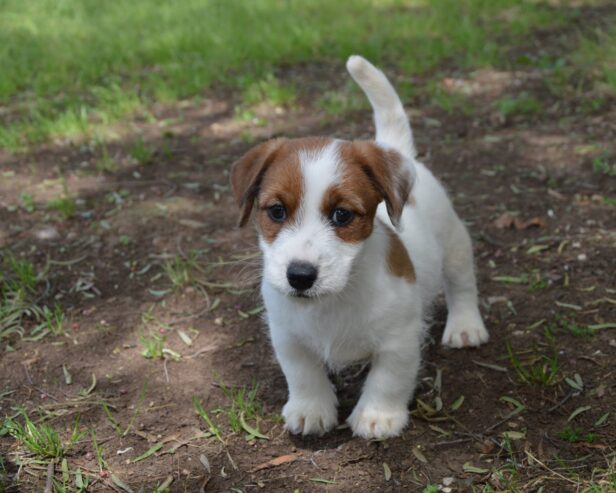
[392, 126]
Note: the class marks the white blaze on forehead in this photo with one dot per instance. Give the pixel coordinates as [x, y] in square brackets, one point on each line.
[320, 169]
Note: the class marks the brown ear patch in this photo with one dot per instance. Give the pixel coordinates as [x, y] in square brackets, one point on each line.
[398, 261]
[385, 172]
[270, 174]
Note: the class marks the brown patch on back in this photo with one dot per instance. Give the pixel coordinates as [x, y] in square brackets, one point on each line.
[398, 261]
[269, 174]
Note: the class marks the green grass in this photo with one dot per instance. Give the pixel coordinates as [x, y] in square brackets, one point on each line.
[596, 58]
[521, 104]
[41, 440]
[604, 164]
[18, 281]
[574, 435]
[541, 370]
[71, 67]
[244, 406]
[141, 152]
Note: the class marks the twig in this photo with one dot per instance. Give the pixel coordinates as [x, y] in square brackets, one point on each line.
[166, 372]
[559, 404]
[48, 483]
[451, 442]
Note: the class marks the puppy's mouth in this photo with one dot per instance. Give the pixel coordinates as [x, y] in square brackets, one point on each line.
[301, 295]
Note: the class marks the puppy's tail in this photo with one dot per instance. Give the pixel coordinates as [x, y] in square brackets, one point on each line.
[392, 125]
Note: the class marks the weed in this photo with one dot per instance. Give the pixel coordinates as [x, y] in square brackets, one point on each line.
[573, 328]
[27, 202]
[342, 101]
[244, 405]
[41, 440]
[431, 488]
[154, 346]
[106, 163]
[53, 319]
[17, 288]
[522, 104]
[573, 435]
[65, 205]
[98, 451]
[601, 165]
[142, 152]
[213, 429]
[449, 101]
[541, 370]
[267, 90]
[181, 270]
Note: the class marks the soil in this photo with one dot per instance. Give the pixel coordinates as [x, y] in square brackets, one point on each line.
[107, 272]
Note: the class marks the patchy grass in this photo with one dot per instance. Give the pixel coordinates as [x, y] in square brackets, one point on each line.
[18, 281]
[604, 164]
[142, 152]
[41, 440]
[539, 369]
[574, 435]
[596, 57]
[520, 104]
[59, 87]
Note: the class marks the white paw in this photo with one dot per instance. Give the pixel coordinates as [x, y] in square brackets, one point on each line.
[309, 417]
[378, 421]
[466, 330]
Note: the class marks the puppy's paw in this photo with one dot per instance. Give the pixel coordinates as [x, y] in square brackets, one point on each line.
[310, 417]
[378, 420]
[464, 331]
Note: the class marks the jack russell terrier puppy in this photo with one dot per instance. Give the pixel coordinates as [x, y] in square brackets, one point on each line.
[357, 239]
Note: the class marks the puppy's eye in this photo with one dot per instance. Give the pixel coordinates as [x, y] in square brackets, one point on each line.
[277, 213]
[341, 217]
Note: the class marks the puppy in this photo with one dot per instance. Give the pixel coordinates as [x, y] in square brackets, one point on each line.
[357, 240]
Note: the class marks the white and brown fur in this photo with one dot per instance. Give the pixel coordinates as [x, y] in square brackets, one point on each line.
[377, 275]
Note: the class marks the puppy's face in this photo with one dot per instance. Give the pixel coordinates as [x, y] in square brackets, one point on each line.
[315, 201]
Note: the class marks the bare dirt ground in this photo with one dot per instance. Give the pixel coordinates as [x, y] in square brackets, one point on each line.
[510, 416]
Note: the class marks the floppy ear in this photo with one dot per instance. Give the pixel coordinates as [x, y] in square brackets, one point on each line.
[391, 174]
[247, 173]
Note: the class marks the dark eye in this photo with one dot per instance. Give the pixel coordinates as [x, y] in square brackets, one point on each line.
[277, 213]
[341, 217]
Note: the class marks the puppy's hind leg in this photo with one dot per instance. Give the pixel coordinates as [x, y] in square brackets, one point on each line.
[464, 324]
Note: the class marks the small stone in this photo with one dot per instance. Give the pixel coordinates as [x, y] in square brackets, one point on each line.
[582, 257]
[45, 233]
[448, 481]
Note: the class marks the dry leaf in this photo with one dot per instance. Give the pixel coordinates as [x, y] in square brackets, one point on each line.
[506, 221]
[275, 462]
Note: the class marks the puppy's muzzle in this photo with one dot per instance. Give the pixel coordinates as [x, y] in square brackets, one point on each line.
[301, 275]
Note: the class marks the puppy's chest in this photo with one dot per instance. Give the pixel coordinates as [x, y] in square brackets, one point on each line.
[338, 338]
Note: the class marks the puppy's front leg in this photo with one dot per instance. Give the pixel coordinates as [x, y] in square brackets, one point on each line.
[382, 408]
[311, 407]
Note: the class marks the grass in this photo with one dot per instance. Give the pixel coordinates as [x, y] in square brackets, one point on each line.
[41, 440]
[601, 165]
[244, 406]
[540, 370]
[141, 152]
[18, 281]
[596, 58]
[74, 67]
[153, 346]
[521, 104]
[572, 434]
[181, 270]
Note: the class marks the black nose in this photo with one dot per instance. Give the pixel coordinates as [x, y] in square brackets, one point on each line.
[301, 275]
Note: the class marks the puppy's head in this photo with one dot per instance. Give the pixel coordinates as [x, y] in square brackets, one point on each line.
[315, 201]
